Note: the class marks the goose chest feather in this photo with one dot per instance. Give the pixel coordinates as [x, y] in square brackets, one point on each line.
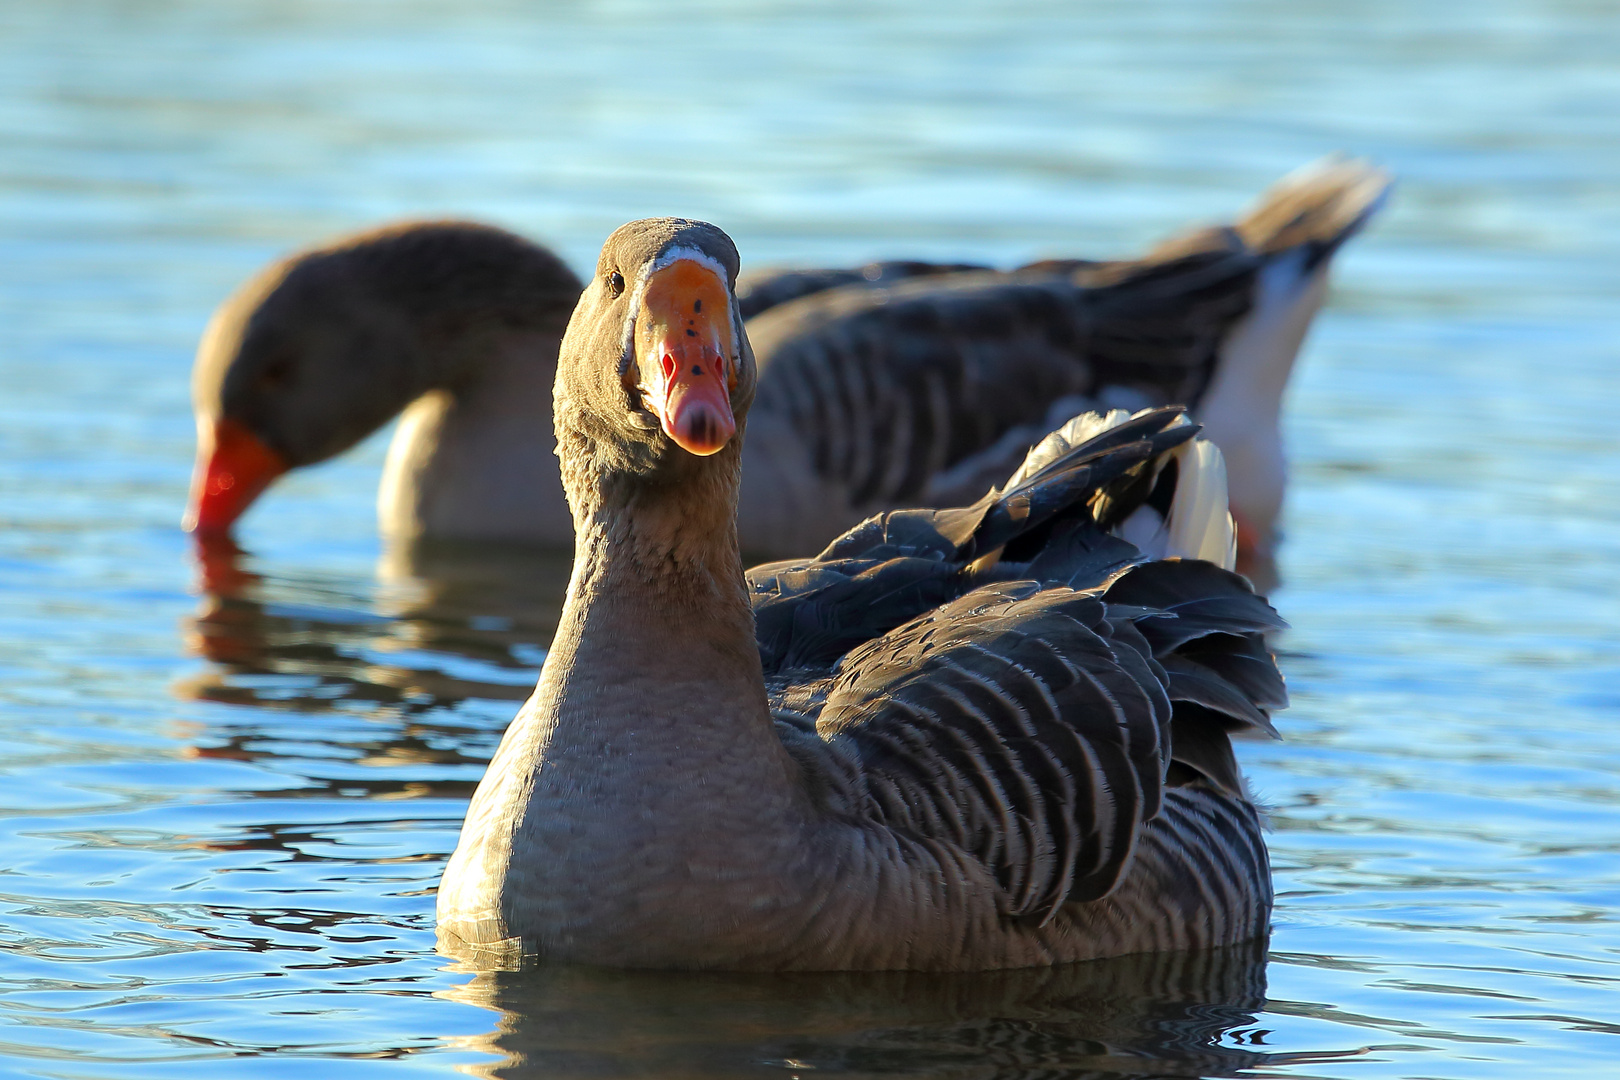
[985, 737]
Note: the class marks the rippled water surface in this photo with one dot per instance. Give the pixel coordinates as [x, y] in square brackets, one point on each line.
[224, 816]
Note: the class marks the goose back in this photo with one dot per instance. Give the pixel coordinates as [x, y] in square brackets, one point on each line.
[915, 384]
[1062, 713]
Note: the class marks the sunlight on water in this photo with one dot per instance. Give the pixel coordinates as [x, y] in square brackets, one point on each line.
[224, 815]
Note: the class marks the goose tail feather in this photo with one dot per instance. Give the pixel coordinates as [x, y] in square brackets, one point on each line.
[1294, 229]
[1318, 207]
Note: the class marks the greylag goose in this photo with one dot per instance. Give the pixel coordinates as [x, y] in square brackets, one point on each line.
[985, 737]
[897, 384]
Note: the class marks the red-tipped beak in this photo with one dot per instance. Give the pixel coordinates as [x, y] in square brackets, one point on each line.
[233, 467]
[684, 344]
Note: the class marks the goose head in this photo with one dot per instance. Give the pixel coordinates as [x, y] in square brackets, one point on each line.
[655, 375]
[320, 350]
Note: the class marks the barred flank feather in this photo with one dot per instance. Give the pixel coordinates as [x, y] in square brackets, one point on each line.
[1016, 680]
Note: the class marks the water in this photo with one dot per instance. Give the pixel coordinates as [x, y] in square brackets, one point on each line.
[224, 818]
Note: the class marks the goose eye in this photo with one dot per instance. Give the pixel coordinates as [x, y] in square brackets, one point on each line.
[276, 374]
[615, 283]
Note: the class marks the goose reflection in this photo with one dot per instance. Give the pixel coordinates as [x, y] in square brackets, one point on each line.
[423, 668]
[434, 610]
[1167, 1014]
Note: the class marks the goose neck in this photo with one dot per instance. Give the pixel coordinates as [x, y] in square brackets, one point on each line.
[472, 456]
[660, 556]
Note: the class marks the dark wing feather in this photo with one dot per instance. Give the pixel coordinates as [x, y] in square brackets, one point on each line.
[1005, 723]
[1203, 748]
[890, 388]
[811, 614]
[1192, 682]
[1206, 628]
[1192, 599]
[1246, 664]
[907, 380]
[1035, 724]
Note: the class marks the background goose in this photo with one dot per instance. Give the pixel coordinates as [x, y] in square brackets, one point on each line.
[896, 384]
[985, 737]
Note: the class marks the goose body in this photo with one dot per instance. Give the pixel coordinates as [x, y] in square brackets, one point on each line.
[893, 385]
[984, 737]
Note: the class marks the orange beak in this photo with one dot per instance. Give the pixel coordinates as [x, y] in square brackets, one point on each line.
[233, 467]
[684, 347]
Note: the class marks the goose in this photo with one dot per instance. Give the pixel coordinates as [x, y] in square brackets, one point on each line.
[986, 737]
[892, 385]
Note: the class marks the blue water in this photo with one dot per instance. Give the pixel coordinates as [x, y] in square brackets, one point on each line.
[221, 820]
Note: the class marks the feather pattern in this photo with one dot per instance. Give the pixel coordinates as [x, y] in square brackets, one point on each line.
[934, 370]
[908, 383]
[1059, 712]
[993, 735]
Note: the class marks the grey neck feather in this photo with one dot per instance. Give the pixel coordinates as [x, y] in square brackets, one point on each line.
[656, 563]
[646, 763]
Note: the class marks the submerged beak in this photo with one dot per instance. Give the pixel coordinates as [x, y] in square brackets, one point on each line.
[683, 349]
[233, 467]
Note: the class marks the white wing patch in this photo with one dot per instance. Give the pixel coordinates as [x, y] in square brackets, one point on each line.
[1199, 525]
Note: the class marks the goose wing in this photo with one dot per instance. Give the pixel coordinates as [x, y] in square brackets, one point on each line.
[1034, 720]
[894, 391]
[917, 383]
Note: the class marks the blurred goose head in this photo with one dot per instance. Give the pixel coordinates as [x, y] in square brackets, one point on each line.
[320, 350]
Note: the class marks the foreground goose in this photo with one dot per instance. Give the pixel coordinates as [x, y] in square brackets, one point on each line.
[899, 384]
[986, 737]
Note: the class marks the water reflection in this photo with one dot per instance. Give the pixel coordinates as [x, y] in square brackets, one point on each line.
[448, 624]
[398, 690]
[1179, 1014]
[449, 628]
